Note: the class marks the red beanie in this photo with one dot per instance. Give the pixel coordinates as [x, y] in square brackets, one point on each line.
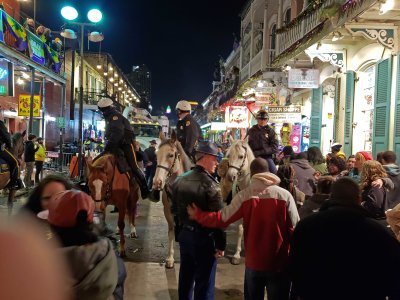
[366, 155]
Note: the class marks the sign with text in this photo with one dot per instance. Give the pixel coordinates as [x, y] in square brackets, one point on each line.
[6, 78]
[303, 79]
[24, 105]
[284, 114]
[237, 117]
[36, 49]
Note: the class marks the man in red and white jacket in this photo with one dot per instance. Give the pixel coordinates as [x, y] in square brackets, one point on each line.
[269, 216]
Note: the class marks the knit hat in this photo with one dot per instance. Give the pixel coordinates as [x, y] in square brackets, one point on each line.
[366, 155]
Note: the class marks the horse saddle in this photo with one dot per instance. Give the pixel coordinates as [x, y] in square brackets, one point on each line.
[4, 167]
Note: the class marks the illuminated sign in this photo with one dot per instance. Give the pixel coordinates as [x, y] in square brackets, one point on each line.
[283, 114]
[24, 105]
[3, 73]
[237, 117]
[6, 78]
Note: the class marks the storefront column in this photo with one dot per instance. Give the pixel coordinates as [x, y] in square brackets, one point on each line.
[43, 107]
[32, 101]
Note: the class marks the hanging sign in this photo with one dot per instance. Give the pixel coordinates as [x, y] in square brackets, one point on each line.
[1, 27]
[6, 78]
[36, 49]
[24, 105]
[237, 117]
[303, 79]
[284, 114]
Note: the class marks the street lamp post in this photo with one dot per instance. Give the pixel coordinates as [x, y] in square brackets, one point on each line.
[94, 16]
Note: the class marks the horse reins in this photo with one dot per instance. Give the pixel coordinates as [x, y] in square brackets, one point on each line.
[169, 170]
[239, 169]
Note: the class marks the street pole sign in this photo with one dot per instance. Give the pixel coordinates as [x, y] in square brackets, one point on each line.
[61, 122]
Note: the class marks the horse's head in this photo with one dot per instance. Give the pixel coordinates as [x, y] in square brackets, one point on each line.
[239, 157]
[100, 181]
[18, 143]
[170, 157]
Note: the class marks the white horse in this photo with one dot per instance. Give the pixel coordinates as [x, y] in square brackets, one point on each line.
[172, 161]
[239, 157]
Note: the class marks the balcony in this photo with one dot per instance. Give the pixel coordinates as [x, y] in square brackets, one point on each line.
[313, 24]
[255, 64]
[244, 73]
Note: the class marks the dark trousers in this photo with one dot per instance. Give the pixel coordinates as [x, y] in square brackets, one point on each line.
[271, 164]
[39, 167]
[150, 172]
[276, 284]
[198, 266]
[12, 163]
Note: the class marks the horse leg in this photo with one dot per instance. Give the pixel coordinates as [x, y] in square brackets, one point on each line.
[169, 261]
[121, 227]
[236, 257]
[132, 217]
[10, 202]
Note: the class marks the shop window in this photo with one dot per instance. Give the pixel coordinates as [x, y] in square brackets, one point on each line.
[273, 37]
[288, 16]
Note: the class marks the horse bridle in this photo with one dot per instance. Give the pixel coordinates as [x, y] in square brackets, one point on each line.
[239, 169]
[169, 170]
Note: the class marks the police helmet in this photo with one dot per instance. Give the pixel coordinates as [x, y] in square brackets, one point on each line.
[262, 114]
[183, 105]
[207, 147]
[105, 102]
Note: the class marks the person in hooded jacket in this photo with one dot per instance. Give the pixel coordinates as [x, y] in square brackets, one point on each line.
[393, 170]
[304, 173]
[94, 268]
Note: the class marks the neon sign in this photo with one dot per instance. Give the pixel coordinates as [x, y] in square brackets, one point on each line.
[3, 73]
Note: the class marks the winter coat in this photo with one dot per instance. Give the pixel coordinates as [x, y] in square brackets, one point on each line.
[94, 270]
[201, 188]
[393, 196]
[269, 217]
[321, 168]
[312, 205]
[40, 154]
[338, 252]
[374, 201]
[118, 130]
[188, 133]
[29, 153]
[263, 141]
[304, 174]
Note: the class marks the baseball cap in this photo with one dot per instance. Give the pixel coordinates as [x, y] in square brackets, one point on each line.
[65, 206]
[154, 142]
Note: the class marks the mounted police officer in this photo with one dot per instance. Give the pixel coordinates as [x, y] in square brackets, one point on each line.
[262, 140]
[120, 136]
[199, 246]
[5, 148]
[187, 129]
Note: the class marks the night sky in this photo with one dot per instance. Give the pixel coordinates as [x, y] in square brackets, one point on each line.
[180, 41]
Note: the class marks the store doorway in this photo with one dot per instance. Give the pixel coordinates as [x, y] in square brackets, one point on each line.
[328, 115]
[363, 113]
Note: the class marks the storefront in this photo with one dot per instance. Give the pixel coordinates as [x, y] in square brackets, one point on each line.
[214, 131]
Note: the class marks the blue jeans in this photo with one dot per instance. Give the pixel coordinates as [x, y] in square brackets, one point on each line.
[271, 166]
[276, 284]
[198, 266]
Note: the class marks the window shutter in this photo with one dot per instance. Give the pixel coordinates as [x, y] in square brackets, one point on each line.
[316, 116]
[383, 85]
[348, 113]
[396, 144]
[337, 107]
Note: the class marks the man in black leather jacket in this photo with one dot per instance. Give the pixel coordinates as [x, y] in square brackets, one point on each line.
[119, 135]
[263, 141]
[199, 246]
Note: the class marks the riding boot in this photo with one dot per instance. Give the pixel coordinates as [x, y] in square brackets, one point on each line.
[139, 176]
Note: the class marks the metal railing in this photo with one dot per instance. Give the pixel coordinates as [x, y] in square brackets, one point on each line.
[53, 161]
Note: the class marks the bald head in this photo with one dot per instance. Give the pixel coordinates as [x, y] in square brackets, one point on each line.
[258, 165]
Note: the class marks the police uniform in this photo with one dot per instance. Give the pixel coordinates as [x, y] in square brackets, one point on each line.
[5, 154]
[188, 133]
[120, 136]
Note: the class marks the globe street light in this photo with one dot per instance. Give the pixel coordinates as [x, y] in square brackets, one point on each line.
[94, 16]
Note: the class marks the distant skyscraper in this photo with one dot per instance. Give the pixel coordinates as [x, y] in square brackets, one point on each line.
[140, 78]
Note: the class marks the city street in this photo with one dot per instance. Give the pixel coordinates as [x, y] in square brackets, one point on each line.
[147, 276]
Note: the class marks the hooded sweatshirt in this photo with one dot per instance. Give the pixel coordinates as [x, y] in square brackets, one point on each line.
[304, 174]
[94, 270]
[269, 217]
[393, 196]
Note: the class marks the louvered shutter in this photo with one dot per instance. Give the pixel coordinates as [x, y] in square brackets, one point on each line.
[348, 113]
[316, 116]
[396, 143]
[383, 85]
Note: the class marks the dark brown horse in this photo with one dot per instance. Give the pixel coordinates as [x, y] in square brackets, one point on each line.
[17, 149]
[110, 187]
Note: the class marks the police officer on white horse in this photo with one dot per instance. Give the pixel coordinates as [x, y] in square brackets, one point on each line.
[119, 135]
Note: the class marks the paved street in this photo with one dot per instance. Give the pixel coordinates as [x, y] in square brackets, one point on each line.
[147, 276]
